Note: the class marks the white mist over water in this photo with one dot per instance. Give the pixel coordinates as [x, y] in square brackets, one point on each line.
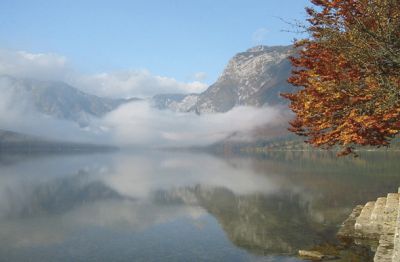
[139, 124]
[136, 124]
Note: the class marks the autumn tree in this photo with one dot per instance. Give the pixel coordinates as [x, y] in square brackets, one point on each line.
[348, 74]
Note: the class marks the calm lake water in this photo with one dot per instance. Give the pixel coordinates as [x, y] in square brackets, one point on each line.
[175, 206]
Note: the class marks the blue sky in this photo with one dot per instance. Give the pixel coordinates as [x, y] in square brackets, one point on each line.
[169, 38]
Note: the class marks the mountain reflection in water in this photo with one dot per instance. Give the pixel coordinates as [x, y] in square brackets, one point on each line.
[156, 206]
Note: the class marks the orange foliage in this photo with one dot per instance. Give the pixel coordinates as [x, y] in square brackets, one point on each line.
[348, 72]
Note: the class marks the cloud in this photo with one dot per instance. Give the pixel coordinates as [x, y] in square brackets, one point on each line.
[45, 66]
[200, 76]
[138, 123]
[259, 36]
[135, 83]
[118, 84]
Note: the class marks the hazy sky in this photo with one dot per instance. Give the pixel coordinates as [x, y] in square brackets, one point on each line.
[184, 39]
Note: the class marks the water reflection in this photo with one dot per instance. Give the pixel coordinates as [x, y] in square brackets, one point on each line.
[181, 206]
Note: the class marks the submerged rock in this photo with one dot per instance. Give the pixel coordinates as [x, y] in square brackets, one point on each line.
[347, 229]
[314, 255]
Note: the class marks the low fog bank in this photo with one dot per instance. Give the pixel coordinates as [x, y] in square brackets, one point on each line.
[138, 123]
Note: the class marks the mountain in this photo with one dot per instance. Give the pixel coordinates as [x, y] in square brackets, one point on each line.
[59, 99]
[175, 102]
[252, 78]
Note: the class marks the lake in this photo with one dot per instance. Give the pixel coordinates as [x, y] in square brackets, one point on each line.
[182, 206]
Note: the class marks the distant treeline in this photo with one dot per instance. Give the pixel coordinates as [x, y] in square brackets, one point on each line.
[286, 143]
[46, 146]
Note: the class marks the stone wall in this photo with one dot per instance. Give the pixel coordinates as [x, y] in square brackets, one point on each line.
[376, 224]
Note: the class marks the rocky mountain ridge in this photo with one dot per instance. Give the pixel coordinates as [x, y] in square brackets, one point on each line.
[252, 78]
